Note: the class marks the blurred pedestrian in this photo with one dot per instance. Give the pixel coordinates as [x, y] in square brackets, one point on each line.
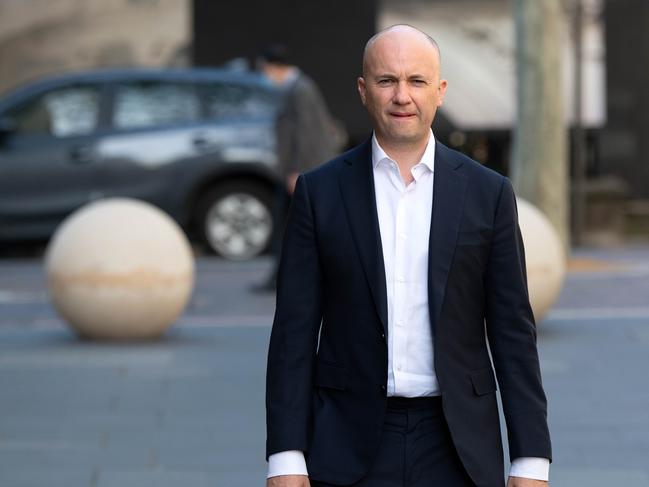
[306, 133]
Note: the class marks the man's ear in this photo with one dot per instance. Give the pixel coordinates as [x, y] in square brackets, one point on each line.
[441, 92]
[360, 84]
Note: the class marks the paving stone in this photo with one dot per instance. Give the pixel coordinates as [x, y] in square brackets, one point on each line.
[152, 478]
[37, 476]
[70, 456]
[597, 477]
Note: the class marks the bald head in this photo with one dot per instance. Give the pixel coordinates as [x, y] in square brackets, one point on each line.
[398, 30]
[401, 88]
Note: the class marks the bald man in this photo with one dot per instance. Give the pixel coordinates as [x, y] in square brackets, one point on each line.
[402, 265]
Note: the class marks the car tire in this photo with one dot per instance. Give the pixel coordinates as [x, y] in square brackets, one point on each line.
[235, 219]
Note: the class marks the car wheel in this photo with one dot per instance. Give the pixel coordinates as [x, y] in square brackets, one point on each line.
[236, 220]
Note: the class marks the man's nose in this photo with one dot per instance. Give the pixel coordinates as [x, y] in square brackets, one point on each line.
[401, 94]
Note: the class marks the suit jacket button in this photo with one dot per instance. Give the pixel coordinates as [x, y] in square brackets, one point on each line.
[383, 336]
[383, 389]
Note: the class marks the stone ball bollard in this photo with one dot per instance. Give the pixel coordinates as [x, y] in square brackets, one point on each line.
[119, 269]
[544, 257]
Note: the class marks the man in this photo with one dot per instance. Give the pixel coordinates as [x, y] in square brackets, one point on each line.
[306, 133]
[401, 260]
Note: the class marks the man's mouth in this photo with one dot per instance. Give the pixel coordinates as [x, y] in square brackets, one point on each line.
[402, 115]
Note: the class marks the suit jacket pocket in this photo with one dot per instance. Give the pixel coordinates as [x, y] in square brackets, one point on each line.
[330, 376]
[483, 381]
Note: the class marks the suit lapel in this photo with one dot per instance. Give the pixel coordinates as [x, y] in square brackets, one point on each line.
[449, 189]
[356, 181]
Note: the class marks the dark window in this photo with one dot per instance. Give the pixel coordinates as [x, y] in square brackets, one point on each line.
[63, 113]
[229, 100]
[148, 104]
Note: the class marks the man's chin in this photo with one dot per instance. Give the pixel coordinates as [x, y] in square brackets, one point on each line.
[406, 138]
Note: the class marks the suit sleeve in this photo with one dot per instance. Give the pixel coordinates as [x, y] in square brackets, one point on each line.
[293, 342]
[511, 331]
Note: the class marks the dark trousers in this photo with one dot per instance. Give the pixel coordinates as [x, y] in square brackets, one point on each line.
[416, 449]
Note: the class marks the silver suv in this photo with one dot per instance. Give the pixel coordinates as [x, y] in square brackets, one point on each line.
[198, 143]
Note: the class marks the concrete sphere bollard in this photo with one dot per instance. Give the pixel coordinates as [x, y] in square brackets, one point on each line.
[544, 257]
[119, 269]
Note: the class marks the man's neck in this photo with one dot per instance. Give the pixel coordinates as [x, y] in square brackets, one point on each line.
[287, 75]
[281, 75]
[405, 155]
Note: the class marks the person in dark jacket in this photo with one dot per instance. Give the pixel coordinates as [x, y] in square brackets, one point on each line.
[306, 134]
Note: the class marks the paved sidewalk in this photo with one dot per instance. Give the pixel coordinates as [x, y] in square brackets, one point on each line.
[188, 410]
[185, 411]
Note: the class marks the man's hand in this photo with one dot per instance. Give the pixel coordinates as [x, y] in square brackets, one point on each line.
[521, 482]
[288, 481]
[291, 180]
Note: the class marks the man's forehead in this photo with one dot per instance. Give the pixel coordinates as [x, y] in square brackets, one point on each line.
[394, 54]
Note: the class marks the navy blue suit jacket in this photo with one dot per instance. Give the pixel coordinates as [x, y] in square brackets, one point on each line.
[327, 361]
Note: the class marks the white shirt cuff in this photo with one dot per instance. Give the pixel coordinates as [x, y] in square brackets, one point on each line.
[289, 462]
[292, 463]
[531, 468]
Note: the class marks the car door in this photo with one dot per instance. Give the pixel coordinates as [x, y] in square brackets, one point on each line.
[153, 124]
[47, 159]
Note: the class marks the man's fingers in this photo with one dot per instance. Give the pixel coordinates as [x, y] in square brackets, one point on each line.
[291, 180]
[521, 482]
[288, 481]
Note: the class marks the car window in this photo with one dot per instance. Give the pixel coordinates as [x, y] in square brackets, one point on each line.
[62, 112]
[226, 100]
[149, 104]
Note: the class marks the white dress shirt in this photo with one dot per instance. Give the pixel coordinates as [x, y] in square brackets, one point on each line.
[404, 214]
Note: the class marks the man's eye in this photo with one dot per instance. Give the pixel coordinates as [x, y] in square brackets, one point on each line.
[385, 81]
[419, 81]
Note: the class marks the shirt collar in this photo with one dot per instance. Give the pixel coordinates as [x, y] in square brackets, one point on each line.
[428, 159]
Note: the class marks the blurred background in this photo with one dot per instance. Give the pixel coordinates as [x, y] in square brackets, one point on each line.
[44, 39]
[160, 100]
